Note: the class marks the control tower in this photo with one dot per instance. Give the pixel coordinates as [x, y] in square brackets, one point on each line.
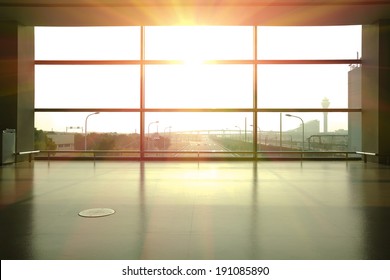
[325, 104]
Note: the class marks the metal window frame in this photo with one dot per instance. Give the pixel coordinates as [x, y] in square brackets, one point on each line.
[142, 62]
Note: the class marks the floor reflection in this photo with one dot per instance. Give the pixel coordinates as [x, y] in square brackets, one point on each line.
[16, 191]
[191, 210]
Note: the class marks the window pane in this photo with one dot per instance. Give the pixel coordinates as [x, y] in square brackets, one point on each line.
[199, 86]
[109, 122]
[216, 134]
[87, 43]
[322, 131]
[199, 42]
[309, 42]
[87, 86]
[303, 86]
[106, 131]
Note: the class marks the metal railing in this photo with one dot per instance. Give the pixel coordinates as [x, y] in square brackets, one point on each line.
[191, 155]
[29, 153]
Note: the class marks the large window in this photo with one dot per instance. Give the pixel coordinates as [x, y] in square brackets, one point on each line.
[198, 91]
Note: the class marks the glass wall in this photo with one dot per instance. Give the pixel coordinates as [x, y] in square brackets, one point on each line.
[198, 91]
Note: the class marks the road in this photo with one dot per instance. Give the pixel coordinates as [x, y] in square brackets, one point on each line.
[202, 144]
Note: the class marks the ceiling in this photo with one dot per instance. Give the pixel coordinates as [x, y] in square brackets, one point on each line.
[189, 12]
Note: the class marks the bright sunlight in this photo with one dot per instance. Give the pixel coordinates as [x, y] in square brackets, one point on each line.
[193, 83]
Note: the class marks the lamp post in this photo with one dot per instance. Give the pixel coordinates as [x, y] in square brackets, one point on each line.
[85, 131]
[303, 129]
[149, 132]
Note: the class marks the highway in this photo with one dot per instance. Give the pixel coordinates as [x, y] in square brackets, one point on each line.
[202, 144]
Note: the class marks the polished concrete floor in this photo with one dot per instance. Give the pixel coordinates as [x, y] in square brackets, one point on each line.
[182, 210]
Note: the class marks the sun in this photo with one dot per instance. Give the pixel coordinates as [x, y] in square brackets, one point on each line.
[192, 51]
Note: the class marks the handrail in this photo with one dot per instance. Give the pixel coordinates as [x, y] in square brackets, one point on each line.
[29, 153]
[365, 154]
[193, 152]
[95, 153]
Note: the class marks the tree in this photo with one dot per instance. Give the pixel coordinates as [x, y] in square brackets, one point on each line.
[42, 142]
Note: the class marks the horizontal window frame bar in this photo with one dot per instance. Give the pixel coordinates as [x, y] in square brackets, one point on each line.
[191, 152]
[246, 3]
[200, 110]
[207, 62]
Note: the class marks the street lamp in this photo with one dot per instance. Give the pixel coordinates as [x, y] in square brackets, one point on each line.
[303, 129]
[85, 131]
[149, 132]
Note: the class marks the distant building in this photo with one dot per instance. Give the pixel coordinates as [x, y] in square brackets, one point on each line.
[64, 141]
[354, 101]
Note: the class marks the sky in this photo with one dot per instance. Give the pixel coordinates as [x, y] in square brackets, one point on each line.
[192, 84]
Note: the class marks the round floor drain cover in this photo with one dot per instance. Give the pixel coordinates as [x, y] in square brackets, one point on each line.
[96, 212]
